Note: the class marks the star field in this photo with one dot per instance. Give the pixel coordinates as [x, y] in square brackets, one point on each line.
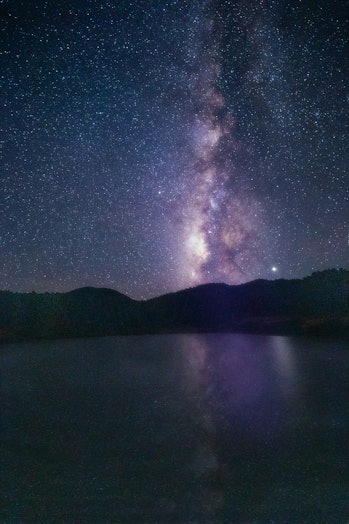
[152, 146]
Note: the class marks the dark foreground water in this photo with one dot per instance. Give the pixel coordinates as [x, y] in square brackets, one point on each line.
[176, 429]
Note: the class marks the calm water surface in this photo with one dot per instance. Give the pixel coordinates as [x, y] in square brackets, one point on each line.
[176, 429]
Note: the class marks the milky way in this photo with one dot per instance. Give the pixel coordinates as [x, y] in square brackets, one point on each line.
[152, 146]
[222, 222]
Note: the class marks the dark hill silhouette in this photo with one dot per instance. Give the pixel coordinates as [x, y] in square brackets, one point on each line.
[315, 304]
[82, 312]
[319, 303]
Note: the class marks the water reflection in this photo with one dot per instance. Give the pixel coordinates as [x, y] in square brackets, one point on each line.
[237, 381]
[233, 385]
[175, 428]
[285, 362]
[205, 466]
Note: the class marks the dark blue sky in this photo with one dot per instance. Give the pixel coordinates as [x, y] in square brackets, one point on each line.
[154, 145]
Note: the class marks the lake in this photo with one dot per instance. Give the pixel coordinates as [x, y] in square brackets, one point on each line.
[214, 428]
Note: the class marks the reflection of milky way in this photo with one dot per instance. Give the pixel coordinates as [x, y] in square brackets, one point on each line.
[205, 466]
[222, 221]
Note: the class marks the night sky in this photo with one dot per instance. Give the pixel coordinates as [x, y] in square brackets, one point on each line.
[153, 145]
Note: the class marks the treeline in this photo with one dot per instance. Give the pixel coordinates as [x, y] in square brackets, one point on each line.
[315, 304]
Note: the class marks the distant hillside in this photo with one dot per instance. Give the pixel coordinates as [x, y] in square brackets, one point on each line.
[83, 312]
[315, 304]
[319, 303]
